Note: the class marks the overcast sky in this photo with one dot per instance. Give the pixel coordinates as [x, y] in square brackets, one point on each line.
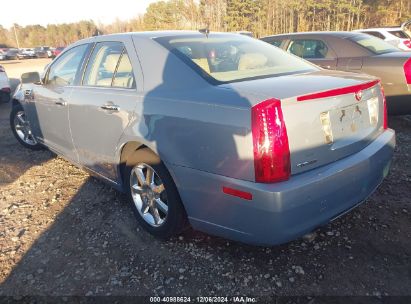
[57, 11]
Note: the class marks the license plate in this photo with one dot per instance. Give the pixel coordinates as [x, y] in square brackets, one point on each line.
[347, 121]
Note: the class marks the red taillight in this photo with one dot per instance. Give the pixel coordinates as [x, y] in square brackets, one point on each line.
[407, 71]
[270, 140]
[6, 90]
[385, 117]
[407, 43]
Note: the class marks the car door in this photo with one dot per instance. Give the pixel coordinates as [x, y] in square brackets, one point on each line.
[48, 109]
[314, 50]
[102, 106]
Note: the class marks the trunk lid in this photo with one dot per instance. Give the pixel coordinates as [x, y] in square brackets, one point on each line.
[328, 115]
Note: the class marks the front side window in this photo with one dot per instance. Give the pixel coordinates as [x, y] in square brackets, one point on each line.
[228, 57]
[308, 48]
[103, 64]
[64, 70]
[375, 45]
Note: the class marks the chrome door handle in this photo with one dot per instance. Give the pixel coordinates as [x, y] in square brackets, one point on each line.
[110, 107]
[61, 102]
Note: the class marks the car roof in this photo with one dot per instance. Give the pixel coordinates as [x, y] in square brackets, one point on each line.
[340, 34]
[395, 28]
[151, 34]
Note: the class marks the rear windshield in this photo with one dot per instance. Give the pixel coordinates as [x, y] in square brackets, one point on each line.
[229, 58]
[399, 34]
[373, 44]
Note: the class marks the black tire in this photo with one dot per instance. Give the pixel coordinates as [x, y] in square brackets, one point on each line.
[176, 219]
[14, 111]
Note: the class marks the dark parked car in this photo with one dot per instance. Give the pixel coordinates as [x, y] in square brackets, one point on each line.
[11, 54]
[41, 52]
[223, 131]
[356, 52]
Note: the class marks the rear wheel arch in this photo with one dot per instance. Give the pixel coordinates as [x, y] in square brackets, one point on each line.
[135, 154]
[126, 151]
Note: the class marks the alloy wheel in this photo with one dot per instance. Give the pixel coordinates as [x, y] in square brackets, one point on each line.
[23, 130]
[149, 195]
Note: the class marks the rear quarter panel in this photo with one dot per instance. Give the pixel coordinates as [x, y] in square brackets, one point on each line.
[391, 73]
[188, 130]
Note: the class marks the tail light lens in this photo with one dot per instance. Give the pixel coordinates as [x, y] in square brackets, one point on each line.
[6, 90]
[270, 140]
[407, 71]
[385, 117]
[407, 43]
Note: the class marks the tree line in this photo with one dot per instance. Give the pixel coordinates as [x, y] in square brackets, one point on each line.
[261, 17]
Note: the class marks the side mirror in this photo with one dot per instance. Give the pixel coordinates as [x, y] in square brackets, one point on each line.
[31, 77]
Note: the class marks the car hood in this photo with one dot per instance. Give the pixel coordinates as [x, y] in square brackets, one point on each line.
[282, 87]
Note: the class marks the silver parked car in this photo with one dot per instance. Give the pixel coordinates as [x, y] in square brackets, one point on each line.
[394, 35]
[5, 89]
[222, 131]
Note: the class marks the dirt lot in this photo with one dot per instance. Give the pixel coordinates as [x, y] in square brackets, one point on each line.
[15, 68]
[63, 232]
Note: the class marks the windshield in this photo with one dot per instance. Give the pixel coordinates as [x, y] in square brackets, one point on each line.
[229, 58]
[373, 44]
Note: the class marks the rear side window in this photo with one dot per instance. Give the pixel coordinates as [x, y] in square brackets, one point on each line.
[64, 70]
[308, 48]
[109, 65]
[375, 34]
[399, 34]
[124, 74]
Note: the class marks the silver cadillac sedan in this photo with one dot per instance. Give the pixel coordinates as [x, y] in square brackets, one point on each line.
[221, 131]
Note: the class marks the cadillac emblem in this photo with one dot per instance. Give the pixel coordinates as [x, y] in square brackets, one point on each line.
[358, 95]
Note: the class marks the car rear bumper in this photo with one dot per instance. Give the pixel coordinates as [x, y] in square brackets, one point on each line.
[283, 211]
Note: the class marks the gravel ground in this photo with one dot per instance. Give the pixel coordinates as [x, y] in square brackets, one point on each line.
[63, 232]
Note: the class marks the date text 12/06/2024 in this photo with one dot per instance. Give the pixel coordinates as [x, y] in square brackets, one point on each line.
[200, 299]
